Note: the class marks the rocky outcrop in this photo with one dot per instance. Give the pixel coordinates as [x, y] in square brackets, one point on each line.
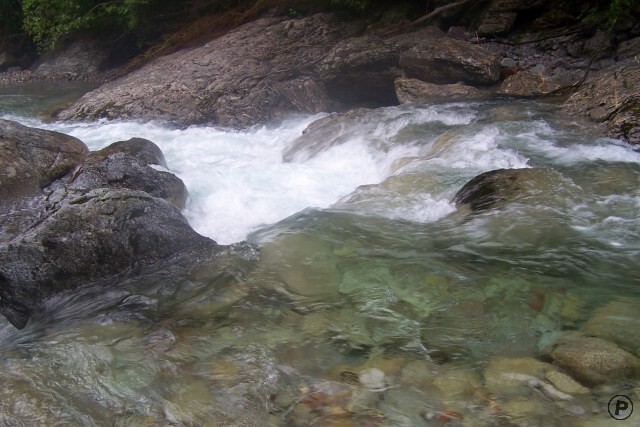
[272, 67]
[79, 60]
[84, 216]
[253, 74]
[496, 188]
[448, 61]
[612, 97]
[362, 70]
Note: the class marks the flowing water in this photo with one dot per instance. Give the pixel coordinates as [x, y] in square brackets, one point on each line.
[363, 296]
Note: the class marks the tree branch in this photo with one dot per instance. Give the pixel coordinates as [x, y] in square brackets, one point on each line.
[437, 11]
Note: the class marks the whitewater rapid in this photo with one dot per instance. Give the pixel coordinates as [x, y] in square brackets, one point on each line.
[238, 181]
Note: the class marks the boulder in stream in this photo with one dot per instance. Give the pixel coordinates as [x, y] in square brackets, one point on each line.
[85, 217]
[495, 188]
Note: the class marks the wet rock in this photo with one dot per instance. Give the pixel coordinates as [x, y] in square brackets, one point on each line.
[457, 384]
[100, 234]
[594, 361]
[504, 376]
[500, 15]
[618, 322]
[299, 266]
[418, 373]
[349, 332]
[126, 164]
[372, 379]
[450, 61]
[565, 383]
[325, 133]
[253, 74]
[413, 90]
[496, 188]
[99, 215]
[31, 159]
[611, 97]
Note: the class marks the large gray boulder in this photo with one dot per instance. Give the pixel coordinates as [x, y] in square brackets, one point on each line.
[255, 73]
[611, 98]
[86, 218]
[272, 67]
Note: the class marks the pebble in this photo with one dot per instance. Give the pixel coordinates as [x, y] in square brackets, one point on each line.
[508, 62]
[373, 379]
[565, 383]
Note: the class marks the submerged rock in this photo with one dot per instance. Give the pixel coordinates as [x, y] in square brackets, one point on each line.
[495, 188]
[594, 361]
[89, 218]
[618, 322]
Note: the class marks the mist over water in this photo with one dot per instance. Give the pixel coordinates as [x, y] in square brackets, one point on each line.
[371, 296]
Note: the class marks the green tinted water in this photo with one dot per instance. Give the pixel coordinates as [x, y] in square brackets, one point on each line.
[384, 309]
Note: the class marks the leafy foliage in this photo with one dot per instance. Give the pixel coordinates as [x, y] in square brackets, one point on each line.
[50, 22]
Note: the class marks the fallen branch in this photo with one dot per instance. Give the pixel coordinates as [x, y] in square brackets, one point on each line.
[437, 11]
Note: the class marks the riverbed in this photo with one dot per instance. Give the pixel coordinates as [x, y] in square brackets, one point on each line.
[371, 299]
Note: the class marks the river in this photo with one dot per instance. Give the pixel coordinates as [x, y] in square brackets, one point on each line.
[374, 300]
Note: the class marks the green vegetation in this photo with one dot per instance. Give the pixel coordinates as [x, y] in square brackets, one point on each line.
[50, 22]
[139, 23]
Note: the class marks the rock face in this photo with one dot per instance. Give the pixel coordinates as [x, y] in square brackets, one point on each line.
[612, 97]
[529, 84]
[82, 217]
[272, 67]
[252, 74]
[80, 60]
[448, 61]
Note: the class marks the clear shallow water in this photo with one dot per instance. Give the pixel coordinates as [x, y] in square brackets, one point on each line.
[371, 301]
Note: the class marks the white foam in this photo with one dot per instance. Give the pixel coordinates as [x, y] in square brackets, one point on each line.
[480, 151]
[237, 181]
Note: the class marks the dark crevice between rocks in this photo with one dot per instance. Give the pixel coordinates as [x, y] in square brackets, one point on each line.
[350, 94]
